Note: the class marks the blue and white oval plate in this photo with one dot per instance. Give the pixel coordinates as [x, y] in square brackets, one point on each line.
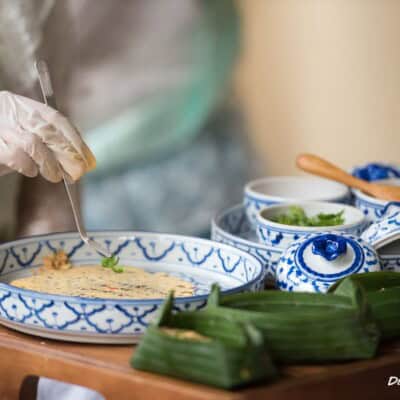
[91, 320]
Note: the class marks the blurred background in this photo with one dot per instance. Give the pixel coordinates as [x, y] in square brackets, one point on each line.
[184, 101]
[320, 76]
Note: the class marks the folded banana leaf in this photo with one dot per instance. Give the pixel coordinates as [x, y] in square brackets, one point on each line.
[300, 327]
[382, 291]
[213, 350]
[280, 301]
[370, 281]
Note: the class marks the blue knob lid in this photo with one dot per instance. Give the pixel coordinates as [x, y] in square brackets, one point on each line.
[329, 246]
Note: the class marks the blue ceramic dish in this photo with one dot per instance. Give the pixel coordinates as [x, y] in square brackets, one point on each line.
[199, 261]
[233, 228]
[280, 236]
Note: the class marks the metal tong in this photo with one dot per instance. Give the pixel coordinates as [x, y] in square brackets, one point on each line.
[49, 99]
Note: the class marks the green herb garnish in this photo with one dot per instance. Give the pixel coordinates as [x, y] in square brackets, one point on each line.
[296, 216]
[112, 262]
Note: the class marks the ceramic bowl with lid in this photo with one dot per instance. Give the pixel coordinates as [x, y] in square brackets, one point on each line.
[264, 192]
[371, 172]
[372, 207]
[315, 262]
[280, 236]
[376, 171]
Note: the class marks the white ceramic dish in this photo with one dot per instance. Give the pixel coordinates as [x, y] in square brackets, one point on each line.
[264, 192]
[280, 236]
[78, 319]
[232, 227]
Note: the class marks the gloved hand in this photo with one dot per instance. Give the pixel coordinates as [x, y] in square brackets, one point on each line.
[35, 138]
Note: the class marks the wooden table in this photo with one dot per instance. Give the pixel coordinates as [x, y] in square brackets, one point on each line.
[106, 369]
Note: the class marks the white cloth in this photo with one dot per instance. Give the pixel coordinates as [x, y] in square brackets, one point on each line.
[49, 389]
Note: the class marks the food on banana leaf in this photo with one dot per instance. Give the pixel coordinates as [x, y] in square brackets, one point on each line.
[218, 352]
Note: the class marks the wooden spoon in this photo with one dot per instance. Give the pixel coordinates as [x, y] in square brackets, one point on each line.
[318, 166]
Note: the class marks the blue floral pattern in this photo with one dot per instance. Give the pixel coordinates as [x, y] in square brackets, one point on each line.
[281, 238]
[373, 210]
[232, 227]
[253, 205]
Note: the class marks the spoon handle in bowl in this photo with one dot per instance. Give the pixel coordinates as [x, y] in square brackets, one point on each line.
[318, 166]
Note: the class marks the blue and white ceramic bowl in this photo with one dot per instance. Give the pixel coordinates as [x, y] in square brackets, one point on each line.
[372, 207]
[199, 261]
[315, 262]
[233, 228]
[384, 235]
[264, 192]
[280, 236]
[385, 230]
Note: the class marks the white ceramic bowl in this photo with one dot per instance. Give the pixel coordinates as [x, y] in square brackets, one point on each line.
[264, 192]
[201, 262]
[281, 236]
[372, 207]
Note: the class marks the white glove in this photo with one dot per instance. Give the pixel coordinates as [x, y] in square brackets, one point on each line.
[35, 138]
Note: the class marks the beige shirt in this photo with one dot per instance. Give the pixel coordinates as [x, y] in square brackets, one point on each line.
[104, 55]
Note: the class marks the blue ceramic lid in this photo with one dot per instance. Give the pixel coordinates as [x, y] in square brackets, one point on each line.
[376, 171]
[315, 262]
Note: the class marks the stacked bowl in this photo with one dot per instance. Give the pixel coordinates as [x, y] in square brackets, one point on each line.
[255, 228]
[238, 226]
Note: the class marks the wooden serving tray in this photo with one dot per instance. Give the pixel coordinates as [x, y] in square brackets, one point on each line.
[106, 369]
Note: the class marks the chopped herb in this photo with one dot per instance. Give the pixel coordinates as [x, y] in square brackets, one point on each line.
[296, 216]
[118, 270]
[112, 262]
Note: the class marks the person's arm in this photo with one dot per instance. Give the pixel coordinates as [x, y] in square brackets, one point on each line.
[36, 140]
[30, 32]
